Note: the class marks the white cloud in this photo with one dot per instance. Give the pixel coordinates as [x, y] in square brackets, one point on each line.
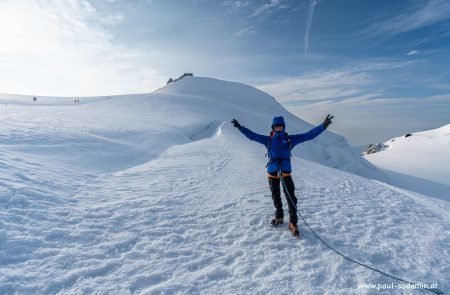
[319, 85]
[268, 7]
[330, 84]
[65, 48]
[365, 120]
[309, 17]
[244, 31]
[111, 19]
[355, 95]
[412, 52]
[430, 12]
[235, 4]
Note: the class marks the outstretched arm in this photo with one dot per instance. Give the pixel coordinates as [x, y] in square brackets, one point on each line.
[311, 134]
[262, 139]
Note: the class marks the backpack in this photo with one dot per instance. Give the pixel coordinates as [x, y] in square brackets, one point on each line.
[272, 133]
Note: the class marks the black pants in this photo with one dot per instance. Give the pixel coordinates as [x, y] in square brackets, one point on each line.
[274, 183]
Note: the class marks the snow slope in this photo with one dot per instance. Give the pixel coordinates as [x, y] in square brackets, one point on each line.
[419, 162]
[158, 193]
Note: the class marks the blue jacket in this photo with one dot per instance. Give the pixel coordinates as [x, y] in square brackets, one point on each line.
[279, 148]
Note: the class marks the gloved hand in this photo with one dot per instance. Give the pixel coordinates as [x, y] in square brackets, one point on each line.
[236, 124]
[327, 121]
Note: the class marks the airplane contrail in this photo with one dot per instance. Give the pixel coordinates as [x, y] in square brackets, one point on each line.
[312, 5]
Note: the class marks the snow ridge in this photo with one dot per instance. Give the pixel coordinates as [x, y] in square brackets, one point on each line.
[158, 193]
[418, 162]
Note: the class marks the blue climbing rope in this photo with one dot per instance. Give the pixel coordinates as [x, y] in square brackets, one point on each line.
[434, 290]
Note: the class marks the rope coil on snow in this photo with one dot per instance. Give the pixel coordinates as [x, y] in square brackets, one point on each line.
[434, 290]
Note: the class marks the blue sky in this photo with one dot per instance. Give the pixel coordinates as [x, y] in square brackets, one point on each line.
[382, 67]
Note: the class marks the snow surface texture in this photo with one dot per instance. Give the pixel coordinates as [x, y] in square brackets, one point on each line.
[159, 194]
[419, 162]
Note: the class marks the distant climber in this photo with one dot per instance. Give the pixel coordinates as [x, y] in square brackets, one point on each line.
[279, 145]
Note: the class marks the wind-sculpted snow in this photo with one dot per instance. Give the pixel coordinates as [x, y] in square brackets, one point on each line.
[196, 220]
[159, 194]
[113, 133]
